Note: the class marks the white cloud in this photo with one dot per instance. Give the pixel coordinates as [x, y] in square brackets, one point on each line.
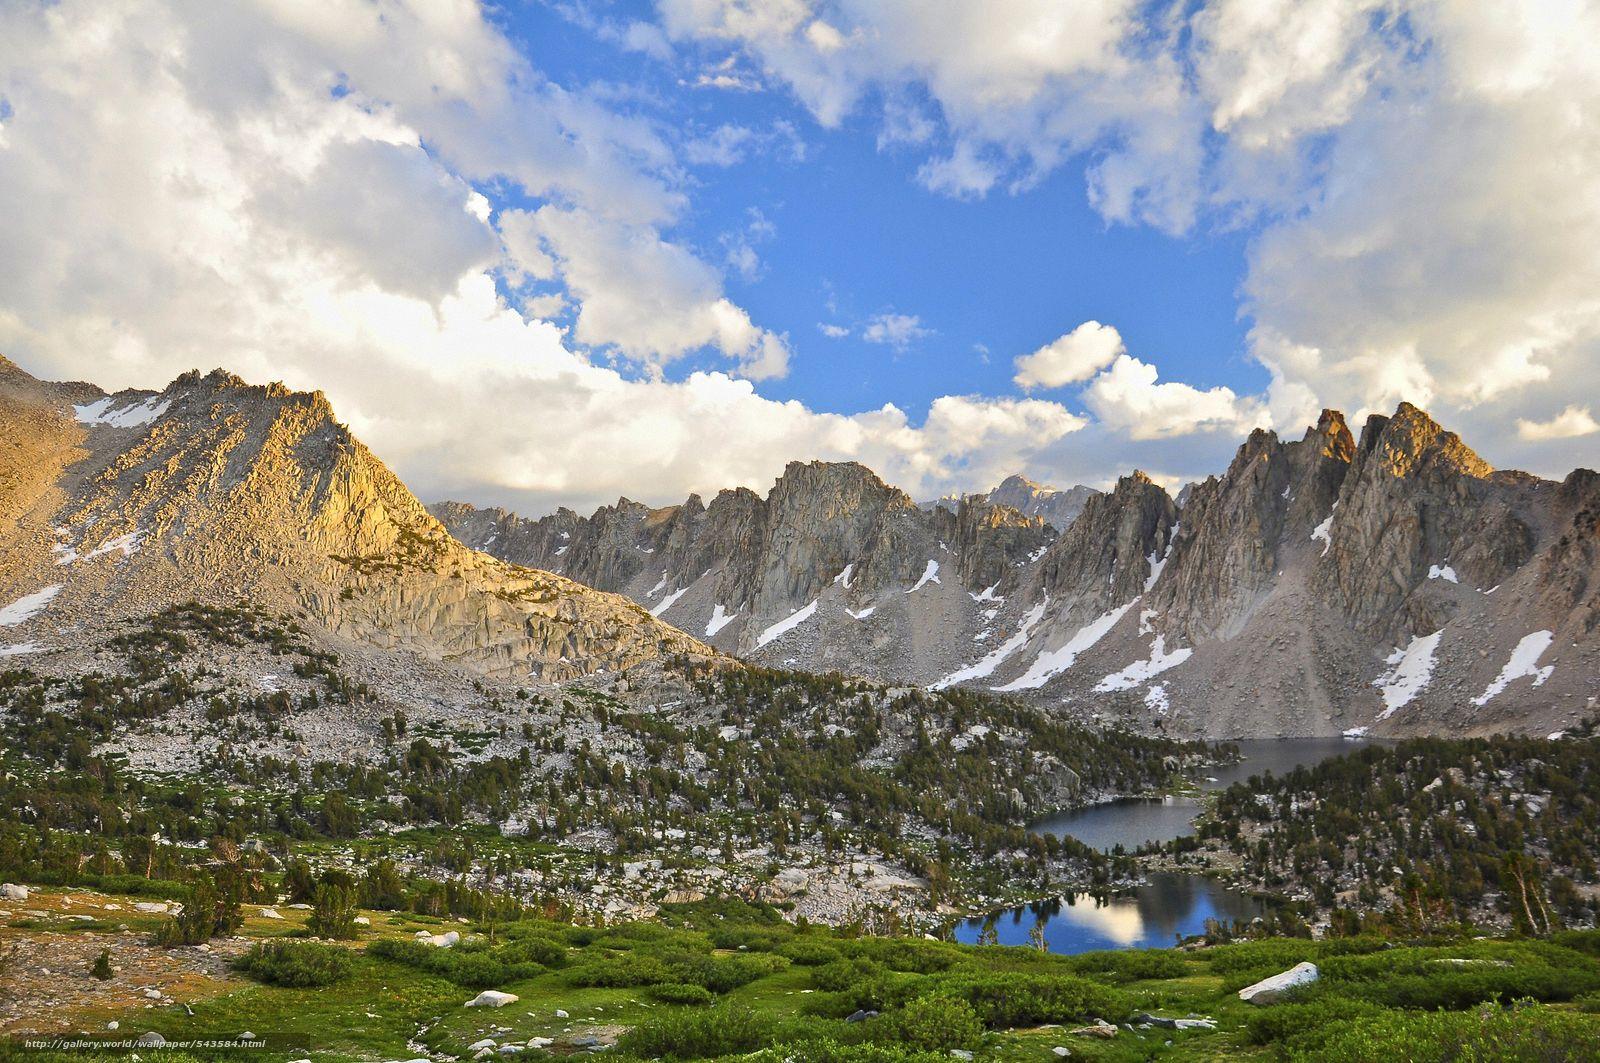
[651, 299]
[833, 332]
[1421, 178]
[1128, 397]
[899, 331]
[1071, 358]
[200, 196]
[1570, 423]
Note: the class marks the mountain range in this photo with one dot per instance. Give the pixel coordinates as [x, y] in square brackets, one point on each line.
[1389, 582]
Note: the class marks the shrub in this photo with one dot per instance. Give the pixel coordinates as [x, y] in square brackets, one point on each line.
[1288, 1022]
[828, 1050]
[205, 914]
[697, 1034]
[475, 970]
[333, 913]
[936, 1024]
[809, 953]
[1131, 965]
[1460, 976]
[297, 964]
[1505, 1035]
[544, 951]
[1003, 1001]
[102, 966]
[682, 993]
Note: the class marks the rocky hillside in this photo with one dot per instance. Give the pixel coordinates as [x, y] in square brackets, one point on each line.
[116, 506]
[1391, 583]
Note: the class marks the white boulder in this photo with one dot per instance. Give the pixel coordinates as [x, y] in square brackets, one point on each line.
[12, 892]
[268, 913]
[492, 998]
[1271, 990]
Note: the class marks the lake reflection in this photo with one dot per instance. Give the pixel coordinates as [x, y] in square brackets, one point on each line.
[1153, 915]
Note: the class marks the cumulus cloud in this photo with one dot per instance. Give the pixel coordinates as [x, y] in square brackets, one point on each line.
[1570, 423]
[899, 331]
[293, 193]
[1071, 358]
[1128, 396]
[1421, 178]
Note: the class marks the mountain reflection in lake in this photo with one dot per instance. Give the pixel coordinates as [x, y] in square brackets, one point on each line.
[1153, 915]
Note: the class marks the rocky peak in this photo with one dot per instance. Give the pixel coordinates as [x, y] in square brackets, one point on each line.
[220, 491]
[1107, 556]
[1416, 499]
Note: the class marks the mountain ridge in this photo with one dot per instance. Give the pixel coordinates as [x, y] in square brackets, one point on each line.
[1294, 593]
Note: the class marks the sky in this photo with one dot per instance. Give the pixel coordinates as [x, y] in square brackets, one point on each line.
[550, 253]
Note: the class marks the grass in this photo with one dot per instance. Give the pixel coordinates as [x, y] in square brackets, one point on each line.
[1372, 993]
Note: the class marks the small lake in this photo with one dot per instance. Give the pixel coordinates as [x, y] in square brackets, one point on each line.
[1169, 904]
[1153, 915]
[1133, 821]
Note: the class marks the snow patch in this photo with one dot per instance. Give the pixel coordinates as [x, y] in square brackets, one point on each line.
[1156, 698]
[843, 578]
[132, 415]
[1052, 662]
[929, 575]
[1142, 671]
[19, 648]
[985, 667]
[1524, 662]
[987, 595]
[1157, 564]
[28, 606]
[1444, 572]
[787, 624]
[1324, 531]
[1408, 673]
[669, 601]
[1356, 732]
[659, 587]
[864, 613]
[1145, 616]
[128, 544]
[720, 618]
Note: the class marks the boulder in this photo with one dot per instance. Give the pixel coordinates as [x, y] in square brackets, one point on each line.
[268, 913]
[1101, 1028]
[492, 998]
[1271, 990]
[150, 1039]
[11, 892]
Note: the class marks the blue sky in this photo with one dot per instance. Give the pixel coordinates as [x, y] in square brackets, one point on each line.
[853, 234]
[546, 254]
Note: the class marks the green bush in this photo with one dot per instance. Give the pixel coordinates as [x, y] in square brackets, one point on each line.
[699, 1033]
[1463, 975]
[1130, 965]
[936, 1024]
[1003, 1001]
[1486, 1035]
[297, 964]
[682, 993]
[829, 1050]
[547, 952]
[809, 953]
[903, 954]
[1295, 1023]
[481, 969]
[333, 913]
